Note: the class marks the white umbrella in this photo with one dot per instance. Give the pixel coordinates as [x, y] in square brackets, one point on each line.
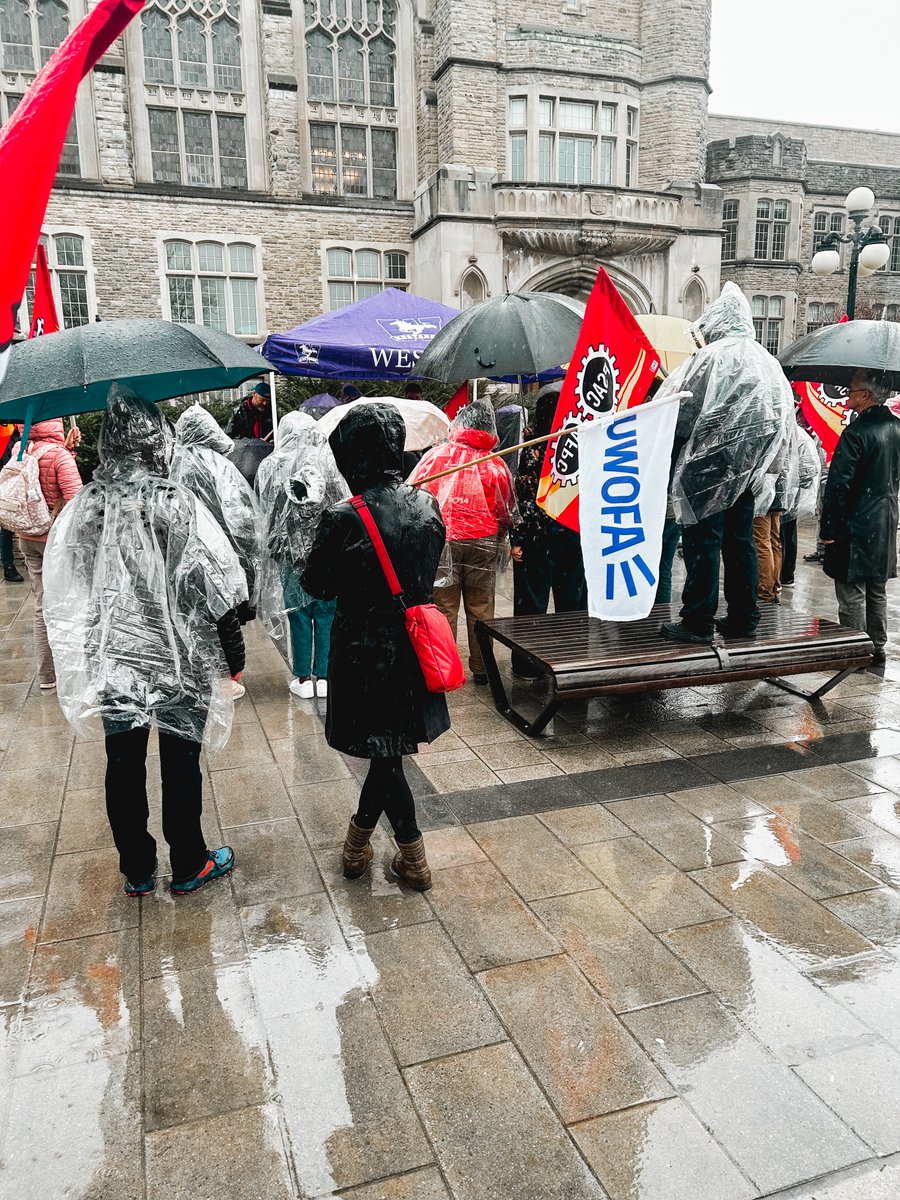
[425, 422]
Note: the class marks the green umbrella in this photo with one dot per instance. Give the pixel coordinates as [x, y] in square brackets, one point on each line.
[61, 374]
[522, 333]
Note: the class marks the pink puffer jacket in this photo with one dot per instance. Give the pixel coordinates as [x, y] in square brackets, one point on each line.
[60, 480]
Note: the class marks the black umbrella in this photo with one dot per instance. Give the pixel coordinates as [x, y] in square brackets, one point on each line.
[522, 333]
[834, 353]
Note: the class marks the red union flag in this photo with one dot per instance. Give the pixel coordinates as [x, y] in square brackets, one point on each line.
[31, 142]
[612, 369]
[825, 409]
[43, 310]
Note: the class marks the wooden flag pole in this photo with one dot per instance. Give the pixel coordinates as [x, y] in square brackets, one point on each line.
[496, 454]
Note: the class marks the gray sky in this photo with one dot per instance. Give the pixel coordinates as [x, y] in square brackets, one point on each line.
[822, 61]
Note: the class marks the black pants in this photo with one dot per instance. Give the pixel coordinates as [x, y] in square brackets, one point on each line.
[727, 535]
[555, 566]
[788, 550]
[182, 800]
[386, 791]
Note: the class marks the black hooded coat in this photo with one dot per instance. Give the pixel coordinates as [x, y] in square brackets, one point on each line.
[378, 705]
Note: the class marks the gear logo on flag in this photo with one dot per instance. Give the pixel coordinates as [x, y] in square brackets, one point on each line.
[597, 383]
[564, 456]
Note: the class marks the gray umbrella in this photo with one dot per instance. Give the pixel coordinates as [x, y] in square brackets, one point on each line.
[522, 333]
[834, 353]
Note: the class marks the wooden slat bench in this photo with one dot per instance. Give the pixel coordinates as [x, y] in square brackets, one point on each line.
[583, 657]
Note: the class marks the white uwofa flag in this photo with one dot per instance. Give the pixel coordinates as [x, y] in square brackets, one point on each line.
[624, 462]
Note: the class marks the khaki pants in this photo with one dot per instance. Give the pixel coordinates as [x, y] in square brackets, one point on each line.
[474, 581]
[767, 536]
[33, 553]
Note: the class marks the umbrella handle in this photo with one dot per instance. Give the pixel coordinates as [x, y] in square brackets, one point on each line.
[487, 365]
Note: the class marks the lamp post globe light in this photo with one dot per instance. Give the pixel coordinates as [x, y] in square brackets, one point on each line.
[869, 250]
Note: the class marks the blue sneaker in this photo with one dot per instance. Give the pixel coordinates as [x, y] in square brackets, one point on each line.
[218, 864]
[144, 887]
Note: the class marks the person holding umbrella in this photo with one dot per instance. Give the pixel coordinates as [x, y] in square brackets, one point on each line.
[860, 510]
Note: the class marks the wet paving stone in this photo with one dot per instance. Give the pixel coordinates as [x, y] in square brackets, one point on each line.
[85, 896]
[776, 1131]
[585, 1061]
[655, 891]
[19, 920]
[847, 1081]
[628, 966]
[681, 838]
[375, 901]
[874, 914]
[881, 810]
[183, 933]
[272, 861]
[26, 855]
[802, 929]
[494, 1133]
[420, 1185]
[583, 825]
[488, 923]
[531, 858]
[659, 1150]
[869, 987]
[878, 855]
[719, 802]
[834, 783]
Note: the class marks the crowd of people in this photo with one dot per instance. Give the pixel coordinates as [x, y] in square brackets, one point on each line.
[148, 572]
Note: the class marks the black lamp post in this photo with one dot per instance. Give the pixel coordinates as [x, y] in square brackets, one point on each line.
[869, 249]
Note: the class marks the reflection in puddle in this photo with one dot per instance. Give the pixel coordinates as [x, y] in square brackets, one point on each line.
[770, 840]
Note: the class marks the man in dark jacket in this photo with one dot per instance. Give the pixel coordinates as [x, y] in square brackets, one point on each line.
[253, 416]
[859, 512]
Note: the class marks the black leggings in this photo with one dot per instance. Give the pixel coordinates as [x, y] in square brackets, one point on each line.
[386, 791]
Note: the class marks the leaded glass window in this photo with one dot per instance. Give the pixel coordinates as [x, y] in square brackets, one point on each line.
[68, 259]
[353, 275]
[214, 283]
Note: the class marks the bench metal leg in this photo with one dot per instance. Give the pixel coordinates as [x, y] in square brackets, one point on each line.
[499, 693]
[820, 692]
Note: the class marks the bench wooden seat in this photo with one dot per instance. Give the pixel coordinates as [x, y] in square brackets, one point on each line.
[583, 657]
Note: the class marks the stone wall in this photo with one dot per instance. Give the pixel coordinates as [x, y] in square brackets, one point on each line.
[822, 141]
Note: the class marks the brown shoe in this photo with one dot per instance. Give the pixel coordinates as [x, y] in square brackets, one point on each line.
[357, 853]
[411, 865]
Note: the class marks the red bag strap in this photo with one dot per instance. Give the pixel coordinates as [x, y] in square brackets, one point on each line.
[378, 543]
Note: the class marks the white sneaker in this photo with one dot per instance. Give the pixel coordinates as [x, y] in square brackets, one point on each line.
[321, 687]
[232, 688]
[48, 687]
[304, 689]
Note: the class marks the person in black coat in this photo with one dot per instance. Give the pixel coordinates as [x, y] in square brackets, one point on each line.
[378, 705]
[253, 416]
[859, 512]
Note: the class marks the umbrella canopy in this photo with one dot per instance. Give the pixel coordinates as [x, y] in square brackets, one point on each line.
[317, 406]
[425, 423]
[670, 338]
[522, 333]
[377, 338]
[834, 353]
[61, 374]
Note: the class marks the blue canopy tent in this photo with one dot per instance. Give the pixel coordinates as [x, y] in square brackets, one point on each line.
[377, 338]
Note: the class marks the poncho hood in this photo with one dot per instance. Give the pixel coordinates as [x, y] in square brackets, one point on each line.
[728, 316]
[198, 429]
[368, 446]
[477, 415]
[135, 439]
[477, 439]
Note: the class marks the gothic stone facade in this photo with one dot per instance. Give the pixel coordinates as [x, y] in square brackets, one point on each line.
[783, 188]
[251, 162]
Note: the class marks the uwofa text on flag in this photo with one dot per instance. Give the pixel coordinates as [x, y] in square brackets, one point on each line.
[624, 460]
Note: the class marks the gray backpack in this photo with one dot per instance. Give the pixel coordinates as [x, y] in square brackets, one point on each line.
[23, 509]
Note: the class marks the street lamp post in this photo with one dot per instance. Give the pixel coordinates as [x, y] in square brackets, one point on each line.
[868, 248]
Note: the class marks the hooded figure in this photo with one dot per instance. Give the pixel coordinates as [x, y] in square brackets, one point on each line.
[546, 555]
[730, 433]
[378, 705]
[295, 486]
[478, 506]
[142, 589]
[200, 465]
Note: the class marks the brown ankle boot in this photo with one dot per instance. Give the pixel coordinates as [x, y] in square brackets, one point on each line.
[411, 865]
[357, 853]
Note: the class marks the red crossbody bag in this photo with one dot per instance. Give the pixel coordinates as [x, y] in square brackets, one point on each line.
[429, 630]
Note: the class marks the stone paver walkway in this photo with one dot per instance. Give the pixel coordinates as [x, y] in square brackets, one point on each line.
[661, 959]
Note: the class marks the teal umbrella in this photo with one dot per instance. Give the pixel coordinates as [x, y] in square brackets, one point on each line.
[62, 374]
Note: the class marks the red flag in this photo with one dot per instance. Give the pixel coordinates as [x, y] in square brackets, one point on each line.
[43, 310]
[31, 142]
[612, 368]
[458, 400]
[824, 407]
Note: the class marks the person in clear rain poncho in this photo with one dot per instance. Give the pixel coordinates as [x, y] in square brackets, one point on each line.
[200, 465]
[731, 430]
[141, 596]
[478, 506]
[295, 485]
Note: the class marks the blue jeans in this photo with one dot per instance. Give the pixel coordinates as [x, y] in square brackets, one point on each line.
[670, 539]
[311, 638]
[6, 548]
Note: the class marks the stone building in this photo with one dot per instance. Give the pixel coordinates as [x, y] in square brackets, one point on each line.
[248, 163]
[783, 187]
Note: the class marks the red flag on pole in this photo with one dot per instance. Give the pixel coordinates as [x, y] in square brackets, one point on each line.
[31, 143]
[458, 400]
[824, 407]
[612, 368]
[43, 310]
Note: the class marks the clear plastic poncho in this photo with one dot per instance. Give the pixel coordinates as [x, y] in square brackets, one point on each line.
[200, 465]
[809, 473]
[294, 486]
[734, 424]
[136, 575]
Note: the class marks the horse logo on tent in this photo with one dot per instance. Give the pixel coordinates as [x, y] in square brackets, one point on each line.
[412, 329]
[307, 353]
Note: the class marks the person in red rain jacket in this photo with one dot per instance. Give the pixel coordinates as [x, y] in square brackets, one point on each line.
[478, 506]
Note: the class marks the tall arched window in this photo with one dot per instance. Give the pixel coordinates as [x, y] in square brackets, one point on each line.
[197, 135]
[693, 300]
[30, 31]
[472, 289]
[351, 55]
